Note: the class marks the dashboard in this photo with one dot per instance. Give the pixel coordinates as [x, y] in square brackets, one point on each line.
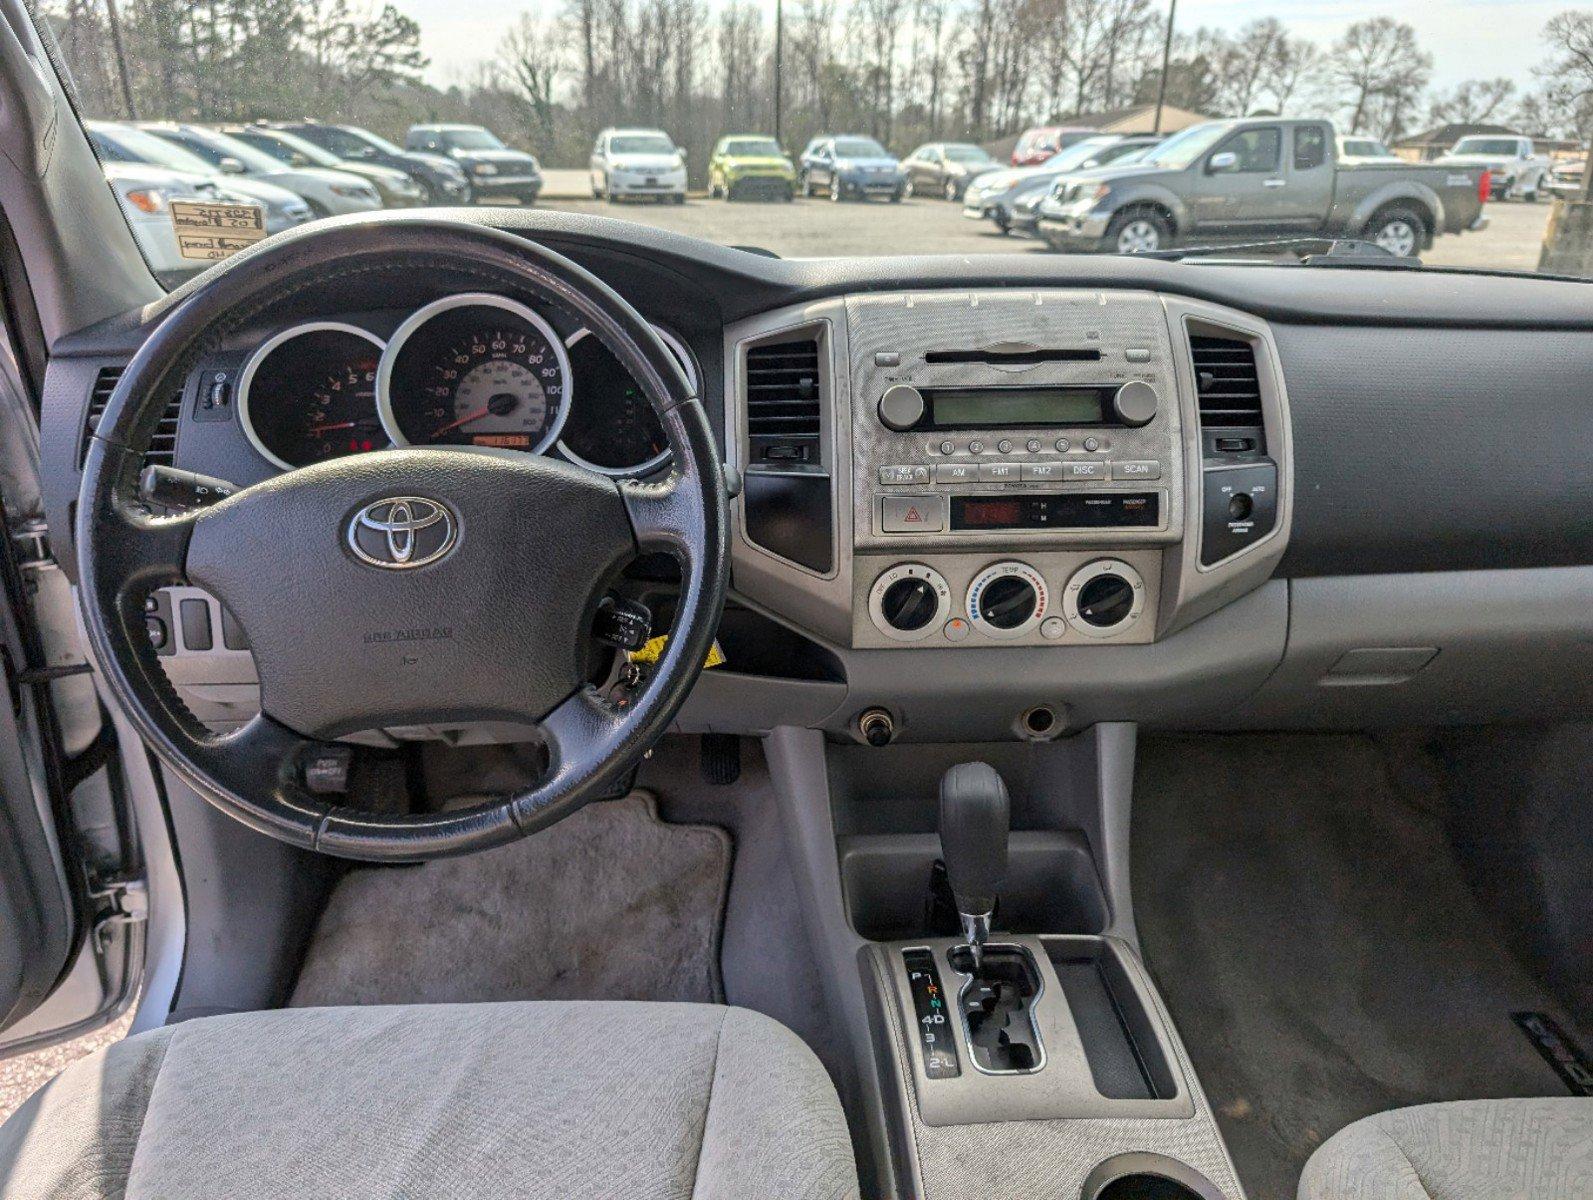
[990, 499]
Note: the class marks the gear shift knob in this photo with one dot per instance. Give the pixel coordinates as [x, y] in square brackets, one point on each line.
[974, 817]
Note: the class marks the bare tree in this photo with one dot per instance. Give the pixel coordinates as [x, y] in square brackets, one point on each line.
[1472, 102]
[1380, 72]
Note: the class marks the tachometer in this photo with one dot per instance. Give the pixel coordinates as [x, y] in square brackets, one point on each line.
[475, 370]
[309, 394]
[614, 430]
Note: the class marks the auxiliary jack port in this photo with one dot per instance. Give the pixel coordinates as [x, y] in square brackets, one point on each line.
[876, 727]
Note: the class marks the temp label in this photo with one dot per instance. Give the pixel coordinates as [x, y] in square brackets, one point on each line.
[933, 1017]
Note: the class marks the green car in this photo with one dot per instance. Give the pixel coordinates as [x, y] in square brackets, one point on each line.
[745, 165]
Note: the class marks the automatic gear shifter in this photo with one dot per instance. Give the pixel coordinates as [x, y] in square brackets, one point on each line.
[974, 817]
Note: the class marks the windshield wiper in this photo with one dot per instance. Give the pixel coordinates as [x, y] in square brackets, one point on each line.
[1307, 251]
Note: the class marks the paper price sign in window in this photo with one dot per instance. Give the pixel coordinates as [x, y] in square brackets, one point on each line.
[211, 232]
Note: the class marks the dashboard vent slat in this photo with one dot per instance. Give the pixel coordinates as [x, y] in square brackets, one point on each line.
[162, 444]
[1226, 383]
[784, 404]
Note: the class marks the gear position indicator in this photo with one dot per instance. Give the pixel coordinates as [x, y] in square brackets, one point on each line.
[935, 1035]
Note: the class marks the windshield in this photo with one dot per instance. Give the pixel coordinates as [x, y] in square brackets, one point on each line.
[471, 139]
[890, 115]
[283, 146]
[859, 148]
[1184, 148]
[640, 143]
[1499, 147]
[122, 143]
[753, 148]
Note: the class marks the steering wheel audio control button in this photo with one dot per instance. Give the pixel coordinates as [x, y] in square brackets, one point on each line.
[909, 602]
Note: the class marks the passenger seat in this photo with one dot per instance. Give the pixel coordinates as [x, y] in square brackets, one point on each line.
[1539, 1149]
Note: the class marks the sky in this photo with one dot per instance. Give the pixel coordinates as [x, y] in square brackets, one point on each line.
[1467, 38]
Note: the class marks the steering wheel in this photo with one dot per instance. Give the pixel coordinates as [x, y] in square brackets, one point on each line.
[488, 617]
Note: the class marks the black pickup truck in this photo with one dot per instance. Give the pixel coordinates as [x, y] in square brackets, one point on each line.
[1259, 178]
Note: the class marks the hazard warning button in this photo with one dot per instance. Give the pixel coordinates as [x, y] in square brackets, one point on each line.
[914, 514]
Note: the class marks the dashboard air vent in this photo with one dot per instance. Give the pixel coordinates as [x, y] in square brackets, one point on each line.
[783, 403]
[162, 445]
[1226, 383]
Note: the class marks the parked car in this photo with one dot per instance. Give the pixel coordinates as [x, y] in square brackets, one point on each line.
[946, 168]
[1257, 178]
[1354, 150]
[443, 179]
[627, 163]
[1565, 179]
[495, 170]
[145, 194]
[1023, 212]
[1014, 193]
[118, 143]
[328, 193]
[396, 188]
[1516, 167]
[1040, 143]
[750, 166]
[852, 168]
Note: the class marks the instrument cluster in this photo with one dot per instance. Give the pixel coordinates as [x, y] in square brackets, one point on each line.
[475, 369]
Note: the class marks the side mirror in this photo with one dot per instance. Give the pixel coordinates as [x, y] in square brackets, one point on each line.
[230, 166]
[1225, 161]
[1090, 162]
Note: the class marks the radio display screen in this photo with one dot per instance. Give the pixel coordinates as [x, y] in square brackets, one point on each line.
[1061, 510]
[1016, 408]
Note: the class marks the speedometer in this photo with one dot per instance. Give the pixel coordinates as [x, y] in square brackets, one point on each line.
[475, 370]
[309, 394]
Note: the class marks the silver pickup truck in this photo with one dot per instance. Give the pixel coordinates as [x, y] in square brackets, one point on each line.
[1255, 179]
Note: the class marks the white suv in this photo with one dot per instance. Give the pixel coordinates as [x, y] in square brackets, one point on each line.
[638, 162]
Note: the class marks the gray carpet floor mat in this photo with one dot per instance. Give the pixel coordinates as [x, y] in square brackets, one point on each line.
[1321, 955]
[610, 903]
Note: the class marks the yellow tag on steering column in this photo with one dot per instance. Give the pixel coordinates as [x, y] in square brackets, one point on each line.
[654, 650]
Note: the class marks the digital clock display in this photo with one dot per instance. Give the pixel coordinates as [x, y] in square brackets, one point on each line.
[1061, 510]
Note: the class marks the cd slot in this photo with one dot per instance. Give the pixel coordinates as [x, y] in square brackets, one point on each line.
[1012, 358]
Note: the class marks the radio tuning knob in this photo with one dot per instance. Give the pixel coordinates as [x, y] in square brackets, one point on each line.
[901, 407]
[1135, 404]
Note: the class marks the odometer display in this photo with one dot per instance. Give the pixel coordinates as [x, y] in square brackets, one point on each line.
[309, 394]
[475, 370]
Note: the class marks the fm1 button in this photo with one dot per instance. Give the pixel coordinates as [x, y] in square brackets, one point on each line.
[913, 514]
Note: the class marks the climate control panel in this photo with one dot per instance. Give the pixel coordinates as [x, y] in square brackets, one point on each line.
[1043, 599]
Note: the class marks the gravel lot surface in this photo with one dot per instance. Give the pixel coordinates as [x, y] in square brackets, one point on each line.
[25, 1074]
[818, 228]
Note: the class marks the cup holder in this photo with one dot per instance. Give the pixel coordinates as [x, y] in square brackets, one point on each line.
[1144, 1176]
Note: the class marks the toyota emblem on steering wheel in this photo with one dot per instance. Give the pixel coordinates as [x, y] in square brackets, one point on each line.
[401, 532]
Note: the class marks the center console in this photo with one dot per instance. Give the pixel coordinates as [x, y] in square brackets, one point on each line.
[1002, 469]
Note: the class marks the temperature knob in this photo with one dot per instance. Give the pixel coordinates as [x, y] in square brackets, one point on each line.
[1007, 600]
[901, 407]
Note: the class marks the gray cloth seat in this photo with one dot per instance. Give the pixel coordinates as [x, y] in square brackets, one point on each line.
[1539, 1149]
[523, 1100]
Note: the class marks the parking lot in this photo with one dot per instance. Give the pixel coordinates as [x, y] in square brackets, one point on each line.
[817, 228]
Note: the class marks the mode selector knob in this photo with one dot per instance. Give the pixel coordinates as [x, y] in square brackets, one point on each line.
[901, 407]
[1135, 404]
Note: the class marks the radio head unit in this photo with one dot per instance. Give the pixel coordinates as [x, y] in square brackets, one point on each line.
[905, 407]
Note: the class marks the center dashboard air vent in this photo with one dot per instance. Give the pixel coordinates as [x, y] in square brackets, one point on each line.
[787, 503]
[162, 444]
[784, 404]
